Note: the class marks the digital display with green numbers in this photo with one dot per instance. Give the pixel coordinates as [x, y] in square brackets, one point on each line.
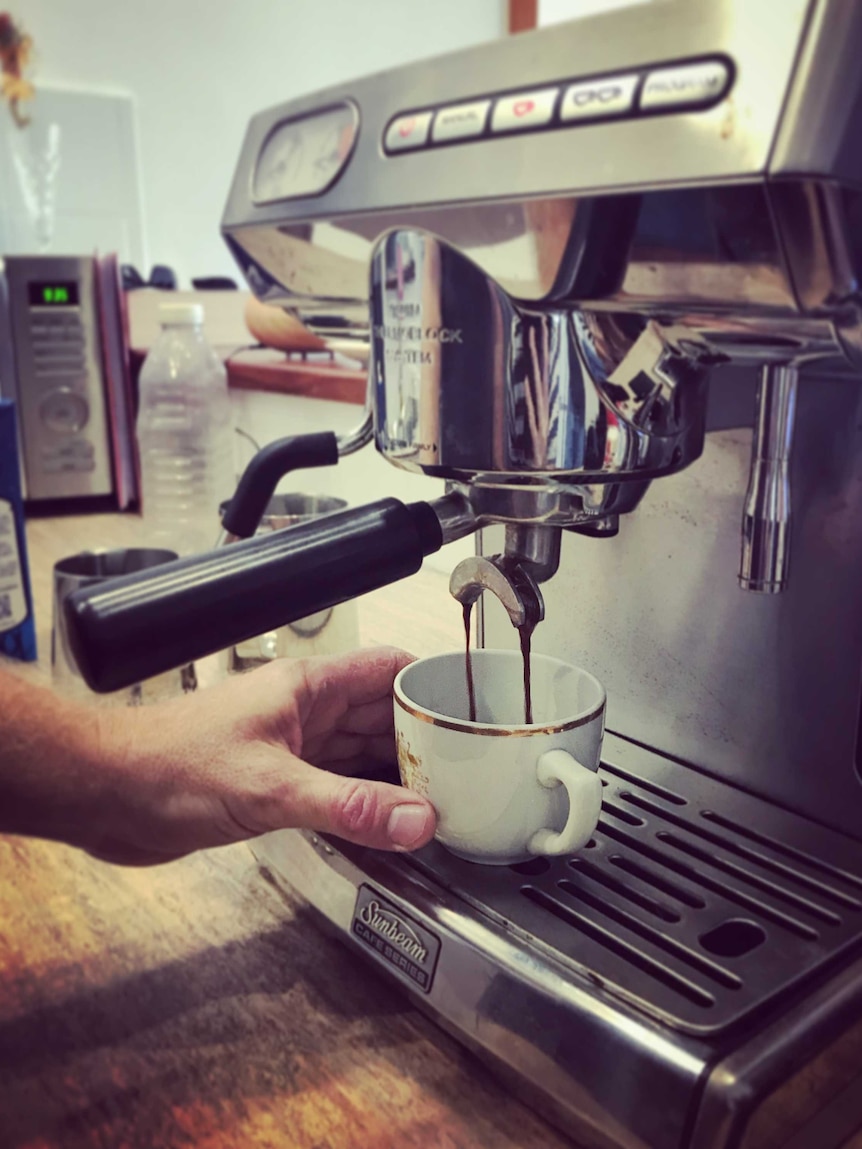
[57, 293]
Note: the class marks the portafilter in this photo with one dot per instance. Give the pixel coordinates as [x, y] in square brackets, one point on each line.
[541, 418]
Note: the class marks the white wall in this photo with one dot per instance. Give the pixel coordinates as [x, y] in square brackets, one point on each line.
[199, 71]
[69, 182]
[556, 11]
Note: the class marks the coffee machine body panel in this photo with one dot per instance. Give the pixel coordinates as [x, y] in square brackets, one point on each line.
[57, 377]
[543, 246]
[761, 690]
[667, 135]
[695, 96]
[606, 279]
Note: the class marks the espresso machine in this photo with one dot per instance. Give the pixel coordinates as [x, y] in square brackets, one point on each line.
[606, 280]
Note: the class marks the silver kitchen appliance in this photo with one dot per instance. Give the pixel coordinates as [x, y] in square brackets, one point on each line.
[52, 367]
[607, 280]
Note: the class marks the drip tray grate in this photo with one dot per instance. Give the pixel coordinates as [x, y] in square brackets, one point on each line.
[694, 901]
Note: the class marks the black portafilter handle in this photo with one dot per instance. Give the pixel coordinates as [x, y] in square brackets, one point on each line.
[260, 478]
[131, 628]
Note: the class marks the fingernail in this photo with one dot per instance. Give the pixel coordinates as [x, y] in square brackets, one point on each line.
[407, 824]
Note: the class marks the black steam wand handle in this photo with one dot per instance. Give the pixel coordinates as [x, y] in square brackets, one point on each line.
[131, 628]
[261, 477]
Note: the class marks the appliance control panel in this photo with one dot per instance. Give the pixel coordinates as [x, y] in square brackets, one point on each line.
[60, 393]
[622, 101]
[686, 85]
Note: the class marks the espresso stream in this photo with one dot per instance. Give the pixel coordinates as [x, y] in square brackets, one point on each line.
[471, 686]
[525, 631]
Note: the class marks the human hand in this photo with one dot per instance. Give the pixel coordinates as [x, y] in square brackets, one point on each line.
[274, 748]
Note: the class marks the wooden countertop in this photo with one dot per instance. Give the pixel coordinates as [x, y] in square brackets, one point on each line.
[195, 1003]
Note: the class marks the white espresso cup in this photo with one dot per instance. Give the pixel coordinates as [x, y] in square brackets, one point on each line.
[504, 791]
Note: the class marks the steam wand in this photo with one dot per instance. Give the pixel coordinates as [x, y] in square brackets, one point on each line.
[766, 521]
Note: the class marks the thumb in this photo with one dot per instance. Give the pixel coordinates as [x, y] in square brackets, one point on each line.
[374, 814]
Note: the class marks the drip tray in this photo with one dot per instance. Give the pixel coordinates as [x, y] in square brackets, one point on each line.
[695, 902]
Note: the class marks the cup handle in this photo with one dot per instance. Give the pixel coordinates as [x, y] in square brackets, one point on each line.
[558, 767]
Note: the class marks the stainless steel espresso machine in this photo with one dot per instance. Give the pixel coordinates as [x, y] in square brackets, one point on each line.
[606, 278]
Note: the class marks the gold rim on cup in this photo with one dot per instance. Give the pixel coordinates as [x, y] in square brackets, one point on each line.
[467, 727]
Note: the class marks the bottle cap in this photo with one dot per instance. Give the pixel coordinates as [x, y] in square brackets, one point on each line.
[181, 313]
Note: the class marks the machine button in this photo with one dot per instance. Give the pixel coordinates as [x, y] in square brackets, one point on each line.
[595, 99]
[66, 367]
[65, 334]
[460, 122]
[688, 85]
[58, 355]
[70, 449]
[81, 449]
[523, 111]
[408, 132]
[64, 411]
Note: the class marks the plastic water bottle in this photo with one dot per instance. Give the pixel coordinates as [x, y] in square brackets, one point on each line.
[184, 434]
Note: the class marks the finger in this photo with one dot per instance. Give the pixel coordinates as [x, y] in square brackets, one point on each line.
[366, 766]
[375, 814]
[345, 747]
[121, 854]
[373, 718]
[357, 678]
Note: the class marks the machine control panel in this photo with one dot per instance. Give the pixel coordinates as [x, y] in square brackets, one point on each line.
[685, 86]
[59, 357]
[62, 408]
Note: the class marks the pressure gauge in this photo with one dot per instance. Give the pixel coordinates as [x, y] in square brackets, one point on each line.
[305, 156]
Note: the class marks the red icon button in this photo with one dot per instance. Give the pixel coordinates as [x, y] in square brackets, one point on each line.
[524, 111]
[408, 132]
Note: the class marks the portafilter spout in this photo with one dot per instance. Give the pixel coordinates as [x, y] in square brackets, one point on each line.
[510, 582]
[531, 555]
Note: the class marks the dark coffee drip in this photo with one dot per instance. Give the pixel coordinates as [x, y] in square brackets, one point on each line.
[525, 632]
[471, 687]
